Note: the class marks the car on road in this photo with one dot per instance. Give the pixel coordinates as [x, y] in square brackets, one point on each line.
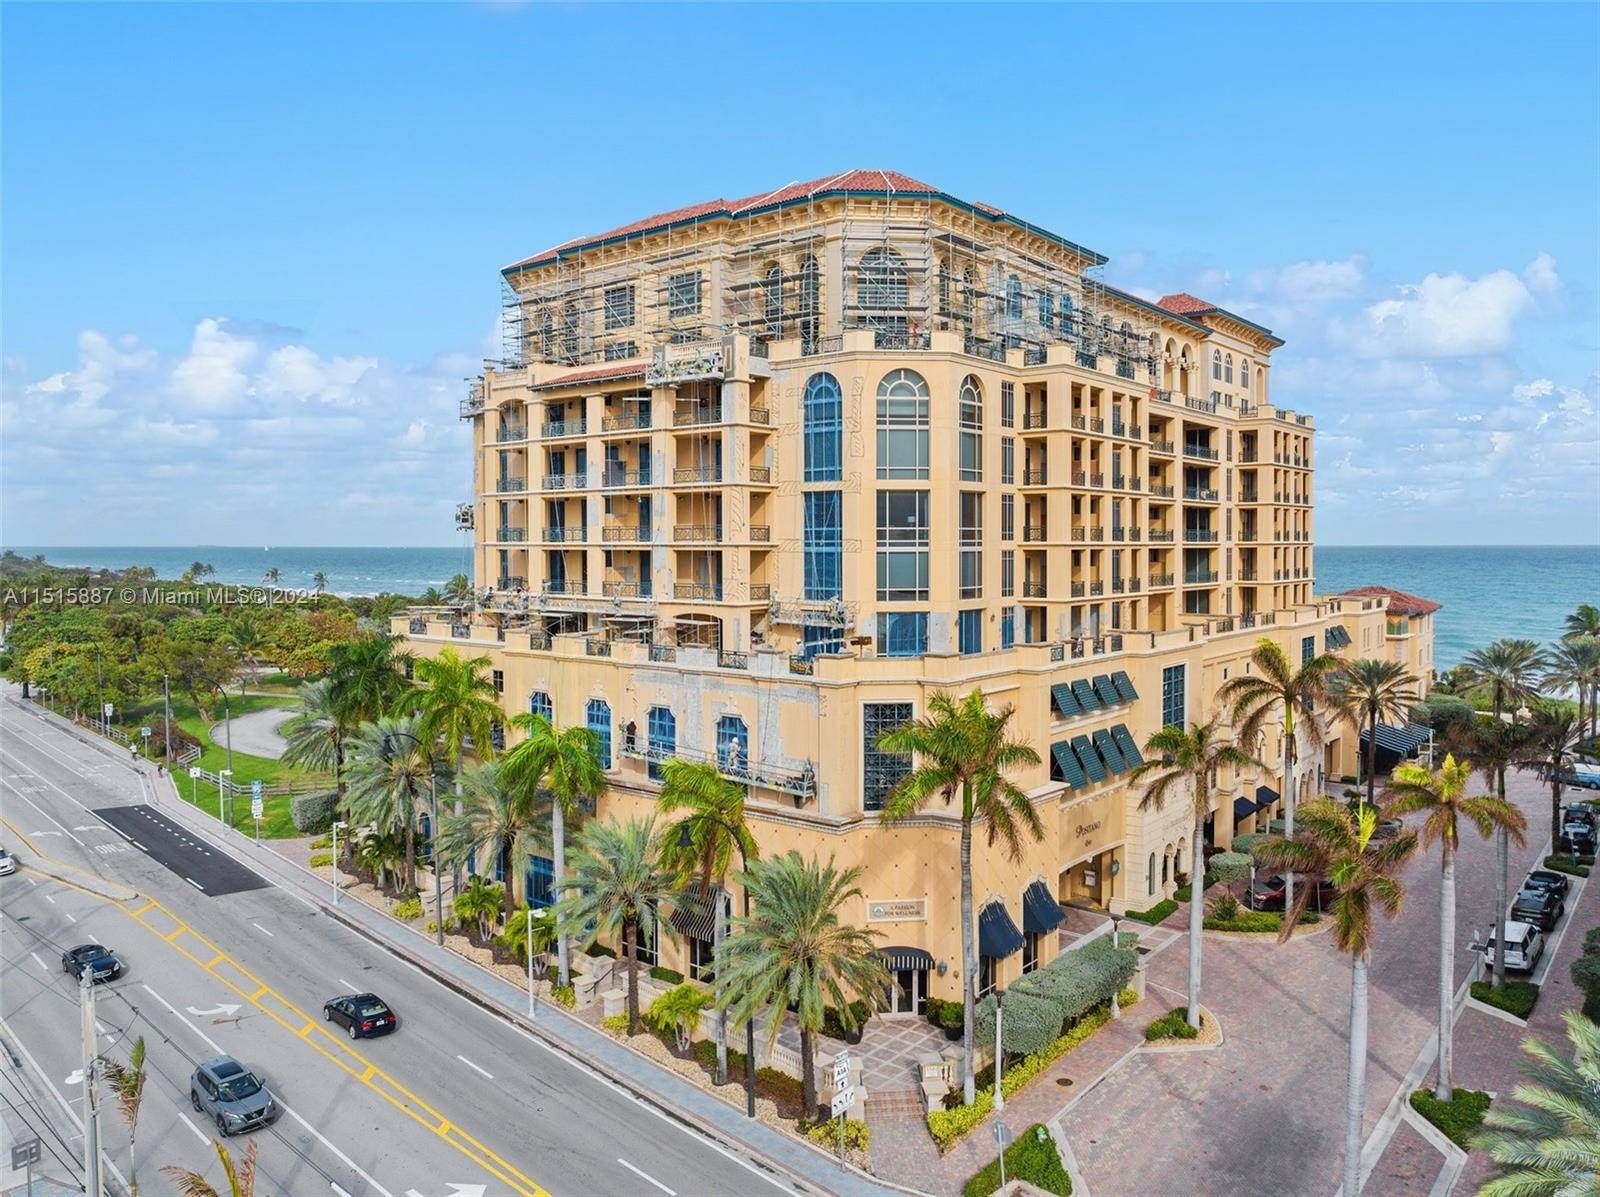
[1266, 893]
[99, 961]
[1524, 946]
[361, 1015]
[232, 1096]
[8, 862]
[1549, 879]
[1541, 907]
[1587, 776]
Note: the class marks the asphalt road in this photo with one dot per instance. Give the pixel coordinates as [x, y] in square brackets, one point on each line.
[221, 962]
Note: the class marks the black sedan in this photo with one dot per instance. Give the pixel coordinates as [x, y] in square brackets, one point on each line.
[1549, 879]
[1539, 907]
[95, 959]
[361, 1015]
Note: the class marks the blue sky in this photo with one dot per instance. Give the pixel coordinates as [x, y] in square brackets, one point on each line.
[251, 251]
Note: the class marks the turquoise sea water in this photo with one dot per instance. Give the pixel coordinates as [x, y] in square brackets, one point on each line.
[1487, 592]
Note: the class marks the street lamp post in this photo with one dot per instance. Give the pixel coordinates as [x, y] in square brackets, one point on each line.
[999, 1056]
[336, 825]
[530, 961]
[221, 790]
[684, 841]
[227, 727]
[100, 673]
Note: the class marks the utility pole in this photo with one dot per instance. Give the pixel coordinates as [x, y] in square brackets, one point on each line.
[91, 1091]
[166, 702]
[227, 726]
[100, 673]
[438, 872]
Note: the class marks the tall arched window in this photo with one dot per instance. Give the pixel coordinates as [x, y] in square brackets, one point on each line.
[772, 299]
[1152, 874]
[597, 717]
[823, 413]
[1064, 317]
[880, 285]
[1047, 309]
[809, 302]
[1014, 297]
[663, 729]
[547, 336]
[969, 294]
[969, 409]
[1227, 368]
[1244, 373]
[1216, 364]
[539, 704]
[902, 425]
[569, 332]
[733, 746]
[944, 287]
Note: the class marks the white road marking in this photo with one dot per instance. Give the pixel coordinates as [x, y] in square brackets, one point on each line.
[71, 918]
[222, 1009]
[196, 884]
[50, 898]
[640, 1172]
[37, 961]
[481, 1072]
[349, 987]
[198, 1134]
[263, 930]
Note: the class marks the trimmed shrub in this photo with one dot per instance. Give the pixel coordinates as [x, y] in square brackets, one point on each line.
[1255, 920]
[320, 860]
[408, 908]
[1459, 1118]
[1230, 868]
[1126, 998]
[1080, 979]
[670, 975]
[1586, 974]
[1032, 1157]
[857, 1136]
[1573, 865]
[313, 814]
[1249, 842]
[1155, 914]
[677, 1013]
[1224, 907]
[834, 1024]
[1030, 1025]
[785, 1090]
[1517, 997]
[1439, 710]
[1183, 893]
[615, 1024]
[1174, 1024]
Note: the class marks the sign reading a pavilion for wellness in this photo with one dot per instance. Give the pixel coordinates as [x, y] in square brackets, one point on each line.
[897, 910]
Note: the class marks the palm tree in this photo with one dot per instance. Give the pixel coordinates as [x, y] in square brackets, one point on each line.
[1443, 794]
[565, 766]
[458, 705]
[616, 889]
[319, 581]
[1551, 1148]
[796, 949]
[390, 772]
[1272, 685]
[432, 598]
[1552, 745]
[962, 749]
[458, 589]
[247, 639]
[365, 677]
[273, 576]
[241, 1176]
[1368, 692]
[715, 828]
[1182, 760]
[315, 737]
[1574, 664]
[479, 902]
[496, 821]
[126, 1082]
[1506, 671]
[1585, 621]
[376, 853]
[1336, 843]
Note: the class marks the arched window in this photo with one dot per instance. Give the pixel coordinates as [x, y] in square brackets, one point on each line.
[1066, 312]
[663, 730]
[569, 332]
[809, 302]
[539, 704]
[1105, 334]
[1152, 874]
[597, 717]
[733, 746]
[823, 413]
[1047, 309]
[969, 292]
[772, 299]
[1244, 373]
[1216, 364]
[547, 336]
[880, 283]
[1227, 368]
[902, 425]
[1014, 297]
[969, 408]
[944, 287]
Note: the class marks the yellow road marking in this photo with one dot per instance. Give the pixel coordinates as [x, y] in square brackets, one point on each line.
[17, 831]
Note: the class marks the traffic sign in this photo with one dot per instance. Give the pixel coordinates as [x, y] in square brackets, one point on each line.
[842, 1101]
[109, 709]
[25, 1155]
[841, 1070]
[255, 788]
[256, 806]
[1002, 1135]
[194, 772]
[145, 732]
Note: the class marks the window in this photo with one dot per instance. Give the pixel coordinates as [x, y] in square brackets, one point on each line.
[618, 351]
[1065, 307]
[569, 331]
[1216, 364]
[683, 294]
[880, 285]
[903, 425]
[1047, 309]
[1014, 297]
[540, 882]
[772, 299]
[971, 531]
[1008, 628]
[969, 629]
[702, 965]
[539, 704]
[619, 306]
[808, 302]
[547, 337]
[1308, 649]
[986, 974]
[944, 286]
[1172, 696]
[1244, 374]
[1151, 874]
[663, 728]
[1008, 517]
[1008, 573]
[499, 678]
[597, 716]
[824, 425]
[902, 633]
[824, 544]
[902, 546]
[1008, 405]
[881, 771]
[1008, 461]
[818, 639]
[1227, 368]
[1030, 950]
[970, 415]
[733, 746]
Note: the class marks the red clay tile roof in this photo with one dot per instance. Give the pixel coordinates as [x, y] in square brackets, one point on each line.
[1185, 304]
[598, 374]
[1400, 602]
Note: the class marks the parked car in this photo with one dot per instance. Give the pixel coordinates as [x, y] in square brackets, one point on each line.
[1540, 907]
[96, 959]
[1577, 839]
[1587, 776]
[1387, 829]
[361, 1014]
[8, 862]
[1524, 946]
[231, 1096]
[1266, 893]
[1579, 815]
[1556, 883]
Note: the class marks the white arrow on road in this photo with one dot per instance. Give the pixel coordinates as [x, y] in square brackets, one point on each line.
[75, 1078]
[90, 827]
[456, 1191]
[44, 833]
[224, 1010]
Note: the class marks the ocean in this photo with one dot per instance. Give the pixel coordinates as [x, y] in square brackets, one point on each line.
[1487, 591]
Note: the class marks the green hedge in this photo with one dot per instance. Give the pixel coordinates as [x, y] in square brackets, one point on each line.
[833, 1022]
[1517, 997]
[1255, 920]
[1586, 973]
[1155, 914]
[408, 908]
[1185, 891]
[857, 1136]
[313, 814]
[1032, 1157]
[1174, 1024]
[1031, 1021]
[1459, 1118]
[321, 860]
[670, 975]
[1577, 866]
[942, 1013]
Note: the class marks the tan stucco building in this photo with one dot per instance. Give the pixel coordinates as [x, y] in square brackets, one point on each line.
[759, 476]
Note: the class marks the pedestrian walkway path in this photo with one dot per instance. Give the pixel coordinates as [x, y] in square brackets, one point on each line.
[255, 734]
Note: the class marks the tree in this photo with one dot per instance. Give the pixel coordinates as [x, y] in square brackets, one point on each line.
[1443, 795]
[390, 771]
[478, 904]
[1368, 692]
[458, 704]
[241, 1176]
[375, 854]
[366, 679]
[273, 576]
[1337, 843]
[514, 939]
[715, 825]
[1585, 621]
[319, 581]
[797, 950]
[1553, 741]
[497, 821]
[1574, 664]
[962, 749]
[616, 889]
[1271, 685]
[126, 1082]
[458, 589]
[1187, 760]
[1551, 1146]
[564, 765]
[1507, 672]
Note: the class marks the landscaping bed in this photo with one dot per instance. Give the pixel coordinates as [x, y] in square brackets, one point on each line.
[1158, 913]
[1032, 1157]
[1459, 1118]
[1515, 997]
[1172, 1029]
[1576, 866]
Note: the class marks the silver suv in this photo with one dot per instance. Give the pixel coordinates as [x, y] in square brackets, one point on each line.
[231, 1095]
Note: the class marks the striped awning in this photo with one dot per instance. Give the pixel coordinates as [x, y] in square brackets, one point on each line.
[694, 917]
[998, 936]
[1401, 740]
[1040, 910]
[896, 959]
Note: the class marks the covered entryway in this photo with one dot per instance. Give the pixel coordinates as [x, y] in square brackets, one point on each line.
[907, 991]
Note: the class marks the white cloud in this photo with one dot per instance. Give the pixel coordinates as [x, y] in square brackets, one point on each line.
[101, 364]
[1541, 277]
[1312, 282]
[212, 376]
[1445, 315]
[416, 434]
[295, 372]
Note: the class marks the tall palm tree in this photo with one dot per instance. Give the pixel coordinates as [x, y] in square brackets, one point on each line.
[241, 1175]
[458, 589]
[1553, 741]
[366, 678]
[1273, 686]
[565, 767]
[1368, 692]
[1185, 760]
[796, 949]
[432, 598]
[1574, 664]
[273, 576]
[1507, 672]
[390, 771]
[1443, 795]
[715, 826]
[1585, 621]
[319, 581]
[247, 639]
[1336, 843]
[496, 821]
[315, 737]
[126, 1082]
[616, 889]
[962, 750]
[1552, 1147]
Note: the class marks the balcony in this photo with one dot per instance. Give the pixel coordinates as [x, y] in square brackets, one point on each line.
[511, 534]
[1200, 451]
[1247, 575]
[563, 482]
[1199, 494]
[620, 533]
[760, 592]
[1247, 535]
[1118, 428]
[761, 415]
[1032, 532]
[511, 432]
[1161, 581]
[625, 589]
[596, 648]
[697, 533]
[1160, 536]
[1176, 398]
[761, 533]
[1125, 534]
[1209, 406]
[690, 417]
[552, 429]
[616, 477]
[663, 652]
[697, 592]
[635, 422]
[562, 534]
[801, 783]
[1199, 536]
[1248, 457]
[1034, 357]
[566, 586]
[509, 485]
[1199, 577]
[812, 346]
[1033, 477]
[1087, 359]
[694, 474]
[885, 338]
[1160, 490]
[727, 660]
[1079, 589]
[1034, 419]
[1119, 482]
[1249, 496]
[1096, 589]
[761, 475]
[1033, 589]
[473, 403]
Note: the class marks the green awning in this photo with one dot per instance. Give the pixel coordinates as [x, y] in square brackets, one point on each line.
[1113, 758]
[1124, 686]
[1067, 762]
[1061, 696]
[1088, 758]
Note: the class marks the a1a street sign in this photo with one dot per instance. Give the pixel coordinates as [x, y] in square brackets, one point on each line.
[842, 1101]
[255, 788]
[109, 709]
[256, 807]
[1002, 1135]
[841, 1070]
